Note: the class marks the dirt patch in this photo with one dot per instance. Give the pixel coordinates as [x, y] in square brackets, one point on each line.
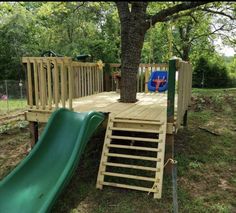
[14, 146]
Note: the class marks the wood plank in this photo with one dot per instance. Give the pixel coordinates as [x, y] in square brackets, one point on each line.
[71, 85]
[136, 121]
[29, 82]
[135, 139]
[36, 86]
[104, 158]
[63, 85]
[160, 155]
[42, 85]
[49, 84]
[139, 188]
[132, 157]
[56, 83]
[102, 81]
[135, 177]
[136, 130]
[133, 147]
[131, 166]
[82, 82]
[37, 117]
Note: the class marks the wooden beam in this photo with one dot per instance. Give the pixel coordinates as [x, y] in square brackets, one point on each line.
[37, 116]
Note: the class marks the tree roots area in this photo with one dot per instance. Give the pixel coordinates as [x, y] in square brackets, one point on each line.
[206, 169]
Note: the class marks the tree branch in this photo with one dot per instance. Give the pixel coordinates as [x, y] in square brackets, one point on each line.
[217, 12]
[207, 34]
[163, 14]
[79, 5]
[177, 49]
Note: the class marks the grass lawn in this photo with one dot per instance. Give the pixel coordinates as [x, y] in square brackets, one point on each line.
[205, 151]
[11, 105]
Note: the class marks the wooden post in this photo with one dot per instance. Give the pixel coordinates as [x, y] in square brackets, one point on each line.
[170, 113]
[146, 79]
[33, 126]
[185, 119]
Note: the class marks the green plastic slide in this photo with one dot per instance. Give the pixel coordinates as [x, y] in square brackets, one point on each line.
[34, 185]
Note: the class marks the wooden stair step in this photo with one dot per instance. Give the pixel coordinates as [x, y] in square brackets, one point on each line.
[139, 188]
[132, 166]
[136, 130]
[136, 177]
[137, 121]
[134, 147]
[132, 157]
[135, 138]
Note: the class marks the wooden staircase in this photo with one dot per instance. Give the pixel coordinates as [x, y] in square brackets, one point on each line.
[133, 155]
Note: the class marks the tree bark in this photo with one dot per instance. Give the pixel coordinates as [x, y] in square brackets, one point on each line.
[133, 29]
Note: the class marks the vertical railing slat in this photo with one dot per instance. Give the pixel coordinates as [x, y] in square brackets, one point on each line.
[43, 85]
[36, 86]
[71, 85]
[56, 83]
[63, 84]
[49, 74]
[29, 78]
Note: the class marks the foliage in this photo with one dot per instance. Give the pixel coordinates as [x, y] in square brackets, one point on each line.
[210, 74]
[72, 28]
[67, 28]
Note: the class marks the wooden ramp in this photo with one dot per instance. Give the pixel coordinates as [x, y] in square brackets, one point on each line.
[133, 153]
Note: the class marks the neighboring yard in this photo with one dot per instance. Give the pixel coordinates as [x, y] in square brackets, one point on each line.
[206, 155]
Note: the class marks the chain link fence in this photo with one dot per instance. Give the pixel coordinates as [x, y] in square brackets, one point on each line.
[12, 96]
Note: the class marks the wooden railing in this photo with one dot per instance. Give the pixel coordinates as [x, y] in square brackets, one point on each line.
[88, 79]
[184, 88]
[53, 82]
[142, 75]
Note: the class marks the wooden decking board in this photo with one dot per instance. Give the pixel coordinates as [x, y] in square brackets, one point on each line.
[148, 107]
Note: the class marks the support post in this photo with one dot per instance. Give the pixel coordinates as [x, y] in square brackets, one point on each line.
[170, 113]
[185, 119]
[33, 126]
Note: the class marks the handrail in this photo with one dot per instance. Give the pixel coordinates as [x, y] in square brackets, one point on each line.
[53, 82]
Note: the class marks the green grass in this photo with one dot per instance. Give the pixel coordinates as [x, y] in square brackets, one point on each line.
[12, 105]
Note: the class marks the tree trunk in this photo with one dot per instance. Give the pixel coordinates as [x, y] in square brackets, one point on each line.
[131, 48]
[186, 52]
[133, 29]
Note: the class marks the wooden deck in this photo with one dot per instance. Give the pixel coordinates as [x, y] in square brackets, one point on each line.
[51, 87]
[150, 106]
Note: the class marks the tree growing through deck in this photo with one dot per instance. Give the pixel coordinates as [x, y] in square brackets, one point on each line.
[135, 22]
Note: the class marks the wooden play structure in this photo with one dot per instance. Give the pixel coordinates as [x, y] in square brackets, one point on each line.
[139, 136]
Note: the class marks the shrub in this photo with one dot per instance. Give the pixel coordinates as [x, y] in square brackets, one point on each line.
[210, 75]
